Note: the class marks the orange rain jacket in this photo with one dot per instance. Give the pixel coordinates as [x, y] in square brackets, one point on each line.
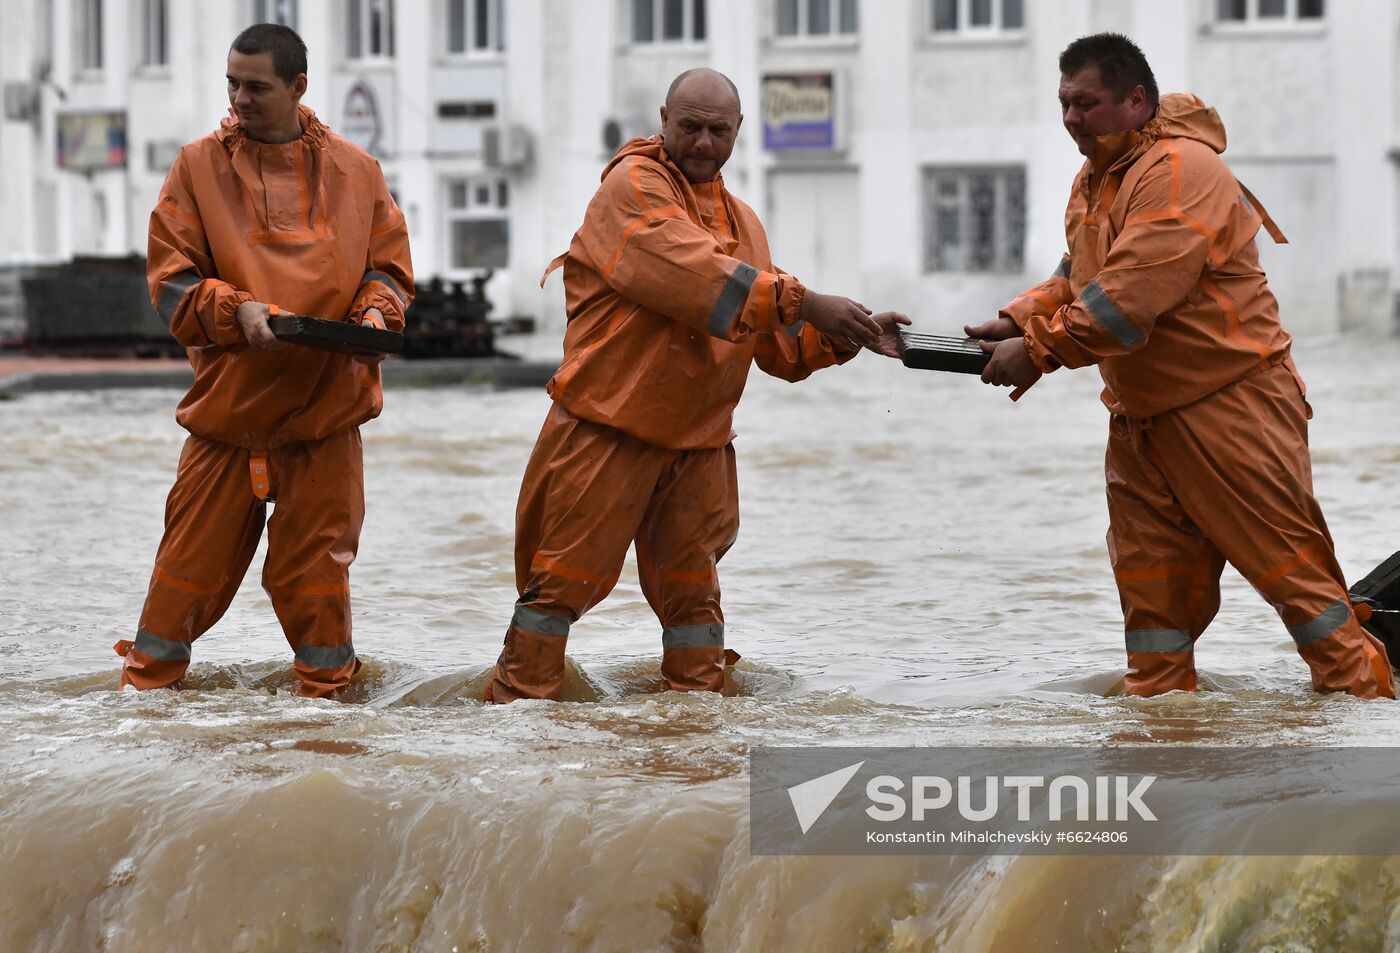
[289, 224]
[671, 295]
[1162, 286]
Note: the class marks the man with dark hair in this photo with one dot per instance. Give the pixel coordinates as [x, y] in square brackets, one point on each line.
[272, 213]
[1121, 65]
[672, 298]
[286, 47]
[1207, 457]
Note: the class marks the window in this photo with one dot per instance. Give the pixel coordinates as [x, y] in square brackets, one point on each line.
[816, 18]
[154, 33]
[978, 16]
[974, 219]
[478, 230]
[89, 35]
[369, 32]
[1263, 12]
[668, 21]
[475, 26]
[275, 11]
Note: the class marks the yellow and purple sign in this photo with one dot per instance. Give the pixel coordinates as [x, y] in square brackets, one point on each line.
[799, 112]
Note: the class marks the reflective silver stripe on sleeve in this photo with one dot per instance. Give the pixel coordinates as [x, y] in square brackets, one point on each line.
[1158, 640]
[693, 636]
[795, 328]
[731, 300]
[326, 656]
[1328, 621]
[540, 623]
[387, 282]
[1062, 270]
[173, 292]
[163, 649]
[1108, 315]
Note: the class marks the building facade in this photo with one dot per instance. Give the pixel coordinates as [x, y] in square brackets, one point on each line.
[908, 153]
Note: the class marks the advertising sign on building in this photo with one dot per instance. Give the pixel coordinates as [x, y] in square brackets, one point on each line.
[799, 112]
[360, 120]
[88, 141]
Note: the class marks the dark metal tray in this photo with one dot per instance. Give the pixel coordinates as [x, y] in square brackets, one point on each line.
[1381, 590]
[342, 336]
[935, 352]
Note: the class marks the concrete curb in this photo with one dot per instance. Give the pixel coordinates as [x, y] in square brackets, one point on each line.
[500, 373]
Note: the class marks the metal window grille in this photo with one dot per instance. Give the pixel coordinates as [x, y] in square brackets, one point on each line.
[974, 219]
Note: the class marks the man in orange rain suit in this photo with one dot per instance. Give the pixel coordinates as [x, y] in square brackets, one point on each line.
[1207, 455]
[271, 212]
[671, 296]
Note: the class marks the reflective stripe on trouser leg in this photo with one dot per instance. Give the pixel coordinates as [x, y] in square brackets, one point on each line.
[1342, 655]
[1159, 660]
[691, 523]
[212, 527]
[692, 657]
[531, 664]
[1249, 489]
[312, 539]
[1167, 572]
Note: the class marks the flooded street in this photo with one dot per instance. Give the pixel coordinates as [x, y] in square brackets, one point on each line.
[921, 562]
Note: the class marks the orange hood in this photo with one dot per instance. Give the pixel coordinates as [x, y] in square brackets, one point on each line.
[1179, 116]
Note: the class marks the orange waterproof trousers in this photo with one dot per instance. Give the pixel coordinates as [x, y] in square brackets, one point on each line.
[1228, 478]
[213, 520]
[589, 492]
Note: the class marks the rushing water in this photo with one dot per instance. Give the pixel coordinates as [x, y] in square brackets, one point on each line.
[921, 563]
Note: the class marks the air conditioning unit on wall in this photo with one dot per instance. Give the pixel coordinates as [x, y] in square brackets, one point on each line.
[505, 146]
[618, 131]
[21, 101]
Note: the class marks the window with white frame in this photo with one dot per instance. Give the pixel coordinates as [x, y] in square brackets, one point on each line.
[974, 219]
[1263, 12]
[275, 11]
[478, 227]
[971, 17]
[89, 35]
[369, 29]
[668, 21]
[815, 18]
[475, 26]
[154, 33]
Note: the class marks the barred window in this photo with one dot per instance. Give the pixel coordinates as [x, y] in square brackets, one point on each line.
[974, 219]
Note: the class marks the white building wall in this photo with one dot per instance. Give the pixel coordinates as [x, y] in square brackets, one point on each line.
[1312, 113]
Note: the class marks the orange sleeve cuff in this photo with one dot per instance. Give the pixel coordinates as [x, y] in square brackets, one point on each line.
[790, 295]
